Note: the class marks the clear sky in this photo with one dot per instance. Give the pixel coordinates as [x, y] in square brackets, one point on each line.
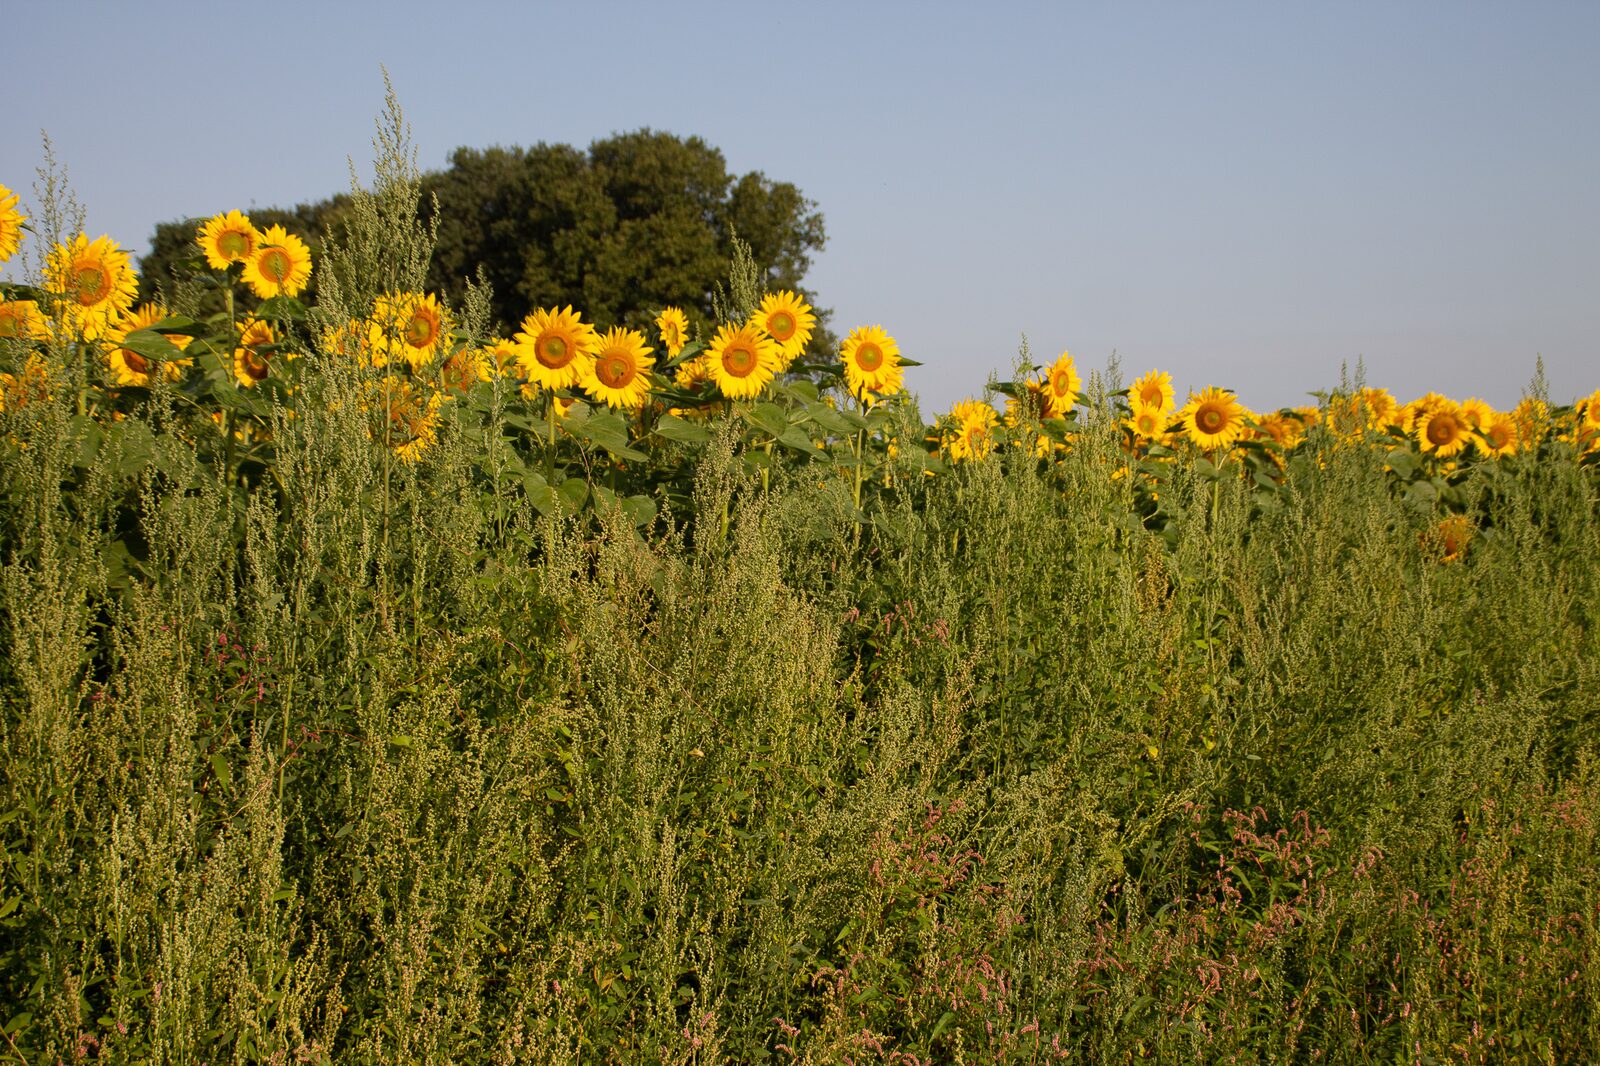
[1244, 194]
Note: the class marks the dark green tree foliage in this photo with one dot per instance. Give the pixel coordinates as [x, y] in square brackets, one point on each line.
[640, 221]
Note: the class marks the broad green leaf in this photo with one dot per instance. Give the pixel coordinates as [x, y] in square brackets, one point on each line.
[641, 510]
[672, 427]
[572, 492]
[767, 417]
[797, 438]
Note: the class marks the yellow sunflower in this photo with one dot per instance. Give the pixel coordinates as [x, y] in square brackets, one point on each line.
[410, 326]
[280, 265]
[1213, 419]
[1443, 430]
[129, 367]
[741, 361]
[1061, 386]
[1532, 416]
[405, 418]
[1154, 391]
[250, 363]
[1590, 406]
[871, 362]
[11, 221]
[96, 281]
[556, 348]
[1498, 435]
[1146, 422]
[787, 320]
[21, 320]
[465, 369]
[673, 325]
[621, 374]
[1450, 538]
[1284, 430]
[227, 239]
[1476, 412]
[970, 431]
[1413, 414]
[33, 384]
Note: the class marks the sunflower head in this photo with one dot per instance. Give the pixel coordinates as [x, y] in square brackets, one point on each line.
[95, 281]
[672, 325]
[742, 360]
[1284, 430]
[621, 374]
[1442, 430]
[405, 417]
[1449, 539]
[462, 371]
[1498, 435]
[1145, 422]
[871, 362]
[22, 320]
[556, 348]
[788, 320]
[129, 367]
[1213, 419]
[227, 239]
[11, 221]
[251, 360]
[279, 266]
[1154, 391]
[410, 326]
[1061, 386]
[968, 431]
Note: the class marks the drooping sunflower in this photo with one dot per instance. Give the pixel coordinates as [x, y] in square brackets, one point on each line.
[969, 432]
[463, 370]
[1154, 391]
[556, 348]
[279, 266]
[1061, 386]
[11, 221]
[250, 363]
[621, 374]
[96, 281]
[673, 325]
[871, 362]
[1498, 435]
[742, 360]
[228, 239]
[1213, 419]
[788, 320]
[1442, 430]
[129, 367]
[410, 326]
[22, 320]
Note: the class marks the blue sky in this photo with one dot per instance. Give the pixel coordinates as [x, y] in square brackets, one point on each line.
[1244, 194]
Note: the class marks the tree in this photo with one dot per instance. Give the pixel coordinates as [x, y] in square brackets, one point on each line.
[637, 222]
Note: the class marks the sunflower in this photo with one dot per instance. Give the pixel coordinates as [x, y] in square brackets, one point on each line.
[1061, 386]
[21, 320]
[33, 384]
[465, 369]
[741, 361]
[96, 281]
[1026, 410]
[1443, 430]
[250, 363]
[1450, 538]
[691, 372]
[129, 367]
[11, 221]
[1497, 436]
[351, 341]
[1154, 391]
[1590, 406]
[1532, 416]
[871, 362]
[405, 417]
[1213, 419]
[1413, 414]
[409, 326]
[621, 374]
[972, 434]
[673, 325]
[787, 320]
[227, 239]
[1145, 422]
[279, 266]
[556, 348]
[1284, 430]
[1476, 412]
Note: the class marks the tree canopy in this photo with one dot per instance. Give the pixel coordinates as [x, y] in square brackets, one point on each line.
[639, 221]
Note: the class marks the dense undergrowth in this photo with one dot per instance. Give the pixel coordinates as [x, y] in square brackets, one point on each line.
[381, 762]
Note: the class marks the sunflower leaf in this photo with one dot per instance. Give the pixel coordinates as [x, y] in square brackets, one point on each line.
[671, 427]
[150, 345]
[798, 439]
[572, 492]
[641, 510]
[768, 417]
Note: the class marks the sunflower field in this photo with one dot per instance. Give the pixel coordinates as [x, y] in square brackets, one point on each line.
[379, 688]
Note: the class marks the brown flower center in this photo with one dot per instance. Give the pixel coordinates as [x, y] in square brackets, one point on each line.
[615, 370]
[1210, 419]
[275, 265]
[554, 352]
[739, 360]
[869, 357]
[93, 283]
[233, 245]
[1442, 430]
[781, 325]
